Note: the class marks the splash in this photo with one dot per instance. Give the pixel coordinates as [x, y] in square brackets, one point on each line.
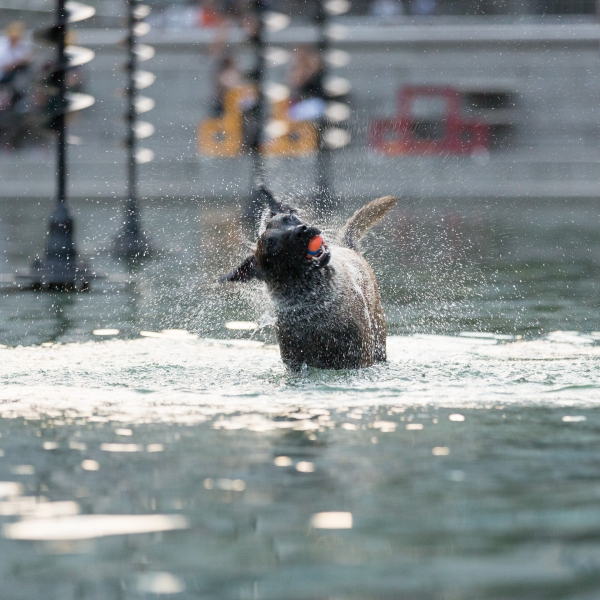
[242, 384]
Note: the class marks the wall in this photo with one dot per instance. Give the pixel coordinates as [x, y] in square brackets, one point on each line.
[552, 67]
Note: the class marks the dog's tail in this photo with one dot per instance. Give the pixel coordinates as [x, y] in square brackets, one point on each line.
[367, 216]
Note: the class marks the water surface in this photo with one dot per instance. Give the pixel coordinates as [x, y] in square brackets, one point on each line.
[177, 457]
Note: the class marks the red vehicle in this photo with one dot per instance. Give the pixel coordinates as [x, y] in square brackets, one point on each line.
[429, 121]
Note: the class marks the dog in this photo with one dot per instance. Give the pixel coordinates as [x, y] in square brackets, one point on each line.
[326, 299]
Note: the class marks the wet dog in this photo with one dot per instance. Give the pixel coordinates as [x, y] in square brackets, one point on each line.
[327, 305]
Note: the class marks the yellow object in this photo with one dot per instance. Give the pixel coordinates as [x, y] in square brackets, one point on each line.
[223, 136]
[300, 138]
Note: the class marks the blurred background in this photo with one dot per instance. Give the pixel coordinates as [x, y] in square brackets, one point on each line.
[152, 442]
[520, 76]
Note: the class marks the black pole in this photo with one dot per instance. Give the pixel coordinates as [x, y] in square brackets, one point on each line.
[59, 271]
[131, 115]
[324, 197]
[61, 89]
[258, 113]
[131, 244]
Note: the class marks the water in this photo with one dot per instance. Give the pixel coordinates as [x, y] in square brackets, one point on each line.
[178, 458]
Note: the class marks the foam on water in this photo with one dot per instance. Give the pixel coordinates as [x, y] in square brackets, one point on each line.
[171, 378]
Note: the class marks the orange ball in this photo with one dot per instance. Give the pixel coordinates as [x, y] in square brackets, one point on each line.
[315, 243]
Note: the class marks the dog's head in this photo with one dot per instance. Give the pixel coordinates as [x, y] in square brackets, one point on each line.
[287, 249]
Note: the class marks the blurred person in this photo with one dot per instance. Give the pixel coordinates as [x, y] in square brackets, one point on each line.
[45, 104]
[227, 76]
[15, 51]
[74, 76]
[306, 73]
[306, 82]
[15, 85]
[386, 8]
[250, 24]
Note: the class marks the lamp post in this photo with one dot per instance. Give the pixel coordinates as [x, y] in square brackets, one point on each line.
[132, 244]
[59, 270]
[257, 116]
[330, 135]
[323, 186]
[262, 21]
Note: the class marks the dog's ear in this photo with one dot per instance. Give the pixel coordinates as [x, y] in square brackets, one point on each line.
[267, 197]
[275, 206]
[246, 271]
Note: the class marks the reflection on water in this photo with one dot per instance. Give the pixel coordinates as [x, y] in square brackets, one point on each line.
[510, 505]
[152, 443]
[83, 527]
[59, 305]
[159, 583]
[332, 520]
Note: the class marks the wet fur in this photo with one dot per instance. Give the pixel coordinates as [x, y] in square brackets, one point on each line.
[329, 312]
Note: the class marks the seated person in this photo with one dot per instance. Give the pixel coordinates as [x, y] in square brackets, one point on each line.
[226, 77]
[306, 81]
[15, 51]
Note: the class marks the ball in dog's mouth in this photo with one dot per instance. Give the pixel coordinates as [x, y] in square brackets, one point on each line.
[316, 246]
